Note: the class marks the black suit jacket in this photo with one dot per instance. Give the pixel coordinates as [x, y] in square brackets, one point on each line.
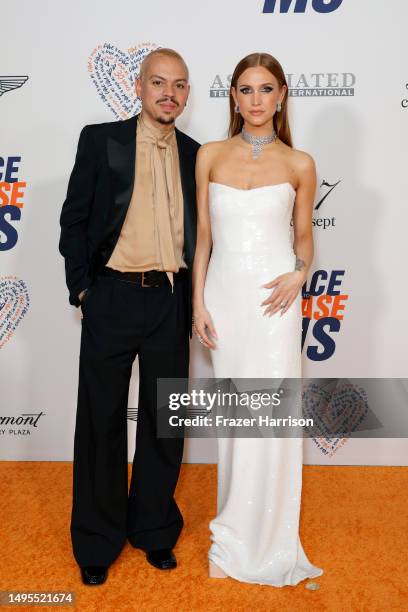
[98, 196]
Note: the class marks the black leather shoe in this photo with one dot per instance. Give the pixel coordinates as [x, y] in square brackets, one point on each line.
[94, 574]
[162, 559]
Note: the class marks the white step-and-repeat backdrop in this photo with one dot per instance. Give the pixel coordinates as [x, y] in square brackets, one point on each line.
[65, 64]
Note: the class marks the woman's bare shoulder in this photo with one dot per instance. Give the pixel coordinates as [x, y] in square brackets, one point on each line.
[213, 145]
[211, 150]
[302, 160]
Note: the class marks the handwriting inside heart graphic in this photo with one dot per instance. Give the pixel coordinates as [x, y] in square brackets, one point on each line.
[338, 408]
[113, 72]
[14, 303]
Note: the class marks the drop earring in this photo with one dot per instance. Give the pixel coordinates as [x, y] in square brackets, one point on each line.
[279, 107]
[236, 108]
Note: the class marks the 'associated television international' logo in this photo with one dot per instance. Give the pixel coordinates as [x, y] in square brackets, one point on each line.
[312, 85]
[12, 192]
[300, 6]
[113, 72]
[321, 84]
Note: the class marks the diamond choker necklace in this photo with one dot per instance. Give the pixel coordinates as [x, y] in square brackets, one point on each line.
[257, 142]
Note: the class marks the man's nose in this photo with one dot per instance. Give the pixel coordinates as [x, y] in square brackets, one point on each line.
[169, 90]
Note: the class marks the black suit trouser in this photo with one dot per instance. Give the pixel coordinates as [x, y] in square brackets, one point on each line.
[122, 320]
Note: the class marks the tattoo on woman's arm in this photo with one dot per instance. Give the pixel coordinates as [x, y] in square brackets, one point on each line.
[300, 264]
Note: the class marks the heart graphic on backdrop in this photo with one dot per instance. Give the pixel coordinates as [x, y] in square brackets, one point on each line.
[113, 72]
[14, 304]
[338, 408]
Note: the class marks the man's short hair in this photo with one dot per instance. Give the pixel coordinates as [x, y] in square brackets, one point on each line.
[162, 51]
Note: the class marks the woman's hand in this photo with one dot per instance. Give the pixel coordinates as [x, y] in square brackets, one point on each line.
[201, 323]
[286, 288]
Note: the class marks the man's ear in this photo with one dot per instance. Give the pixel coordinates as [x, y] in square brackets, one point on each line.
[188, 93]
[138, 86]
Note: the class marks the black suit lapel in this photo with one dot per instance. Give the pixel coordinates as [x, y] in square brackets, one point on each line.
[121, 151]
[187, 170]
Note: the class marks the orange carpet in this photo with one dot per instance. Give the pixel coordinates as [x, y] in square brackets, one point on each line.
[353, 525]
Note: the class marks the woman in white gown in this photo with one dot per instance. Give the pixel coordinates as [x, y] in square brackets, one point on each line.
[247, 310]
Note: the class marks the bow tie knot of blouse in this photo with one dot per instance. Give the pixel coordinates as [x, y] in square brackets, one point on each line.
[161, 163]
[162, 143]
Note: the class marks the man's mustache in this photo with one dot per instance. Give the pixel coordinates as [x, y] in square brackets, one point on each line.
[168, 100]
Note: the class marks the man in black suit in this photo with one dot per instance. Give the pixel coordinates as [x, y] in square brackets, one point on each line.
[128, 233]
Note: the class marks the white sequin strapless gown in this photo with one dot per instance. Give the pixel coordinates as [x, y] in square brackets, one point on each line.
[255, 533]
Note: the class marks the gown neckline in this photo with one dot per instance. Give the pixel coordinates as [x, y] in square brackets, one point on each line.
[254, 188]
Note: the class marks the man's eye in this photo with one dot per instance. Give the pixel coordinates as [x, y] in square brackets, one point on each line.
[157, 82]
[181, 85]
